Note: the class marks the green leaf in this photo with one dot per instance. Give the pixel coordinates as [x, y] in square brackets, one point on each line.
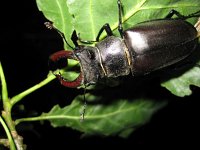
[91, 15]
[120, 117]
[4, 90]
[180, 86]
[57, 12]
[87, 17]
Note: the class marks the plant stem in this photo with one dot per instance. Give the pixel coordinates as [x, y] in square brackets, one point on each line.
[6, 113]
[10, 139]
[18, 97]
[3, 85]
[9, 125]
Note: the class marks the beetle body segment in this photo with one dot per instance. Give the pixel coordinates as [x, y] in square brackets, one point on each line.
[113, 56]
[159, 43]
[106, 59]
[89, 63]
[146, 47]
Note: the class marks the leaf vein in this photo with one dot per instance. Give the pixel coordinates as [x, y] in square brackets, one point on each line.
[86, 116]
[91, 18]
[62, 15]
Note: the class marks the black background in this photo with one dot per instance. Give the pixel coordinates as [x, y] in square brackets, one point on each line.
[25, 47]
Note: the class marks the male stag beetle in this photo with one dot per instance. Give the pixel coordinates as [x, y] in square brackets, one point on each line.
[141, 49]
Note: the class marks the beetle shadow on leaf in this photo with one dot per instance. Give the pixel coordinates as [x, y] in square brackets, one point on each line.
[128, 88]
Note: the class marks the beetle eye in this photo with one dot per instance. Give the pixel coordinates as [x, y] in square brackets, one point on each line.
[91, 54]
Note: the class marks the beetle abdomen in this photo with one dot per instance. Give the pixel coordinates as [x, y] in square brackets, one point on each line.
[159, 43]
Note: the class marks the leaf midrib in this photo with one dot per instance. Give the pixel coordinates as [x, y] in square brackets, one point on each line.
[91, 18]
[62, 16]
[89, 117]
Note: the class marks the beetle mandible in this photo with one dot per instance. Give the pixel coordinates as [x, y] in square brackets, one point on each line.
[141, 49]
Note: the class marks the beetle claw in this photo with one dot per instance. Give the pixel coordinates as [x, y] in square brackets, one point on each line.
[72, 84]
[56, 62]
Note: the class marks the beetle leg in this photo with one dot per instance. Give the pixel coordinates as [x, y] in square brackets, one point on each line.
[84, 41]
[196, 14]
[74, 38]
[63, 55]
[174, 12]
[82, 114]
[105, 27]
[108, 30]
[179, 15]
[120, 9]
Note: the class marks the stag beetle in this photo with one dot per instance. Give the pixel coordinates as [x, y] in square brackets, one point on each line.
[141, 49]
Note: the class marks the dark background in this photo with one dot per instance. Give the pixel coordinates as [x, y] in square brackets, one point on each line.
[25, 47]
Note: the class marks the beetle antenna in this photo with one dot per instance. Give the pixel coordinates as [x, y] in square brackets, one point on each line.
[84, 105]
[50, 26]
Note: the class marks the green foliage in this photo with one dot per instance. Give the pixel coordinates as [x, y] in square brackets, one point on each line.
[120, 116]
[103, 119]
[57, 12]
[88, 16]
[180, 85]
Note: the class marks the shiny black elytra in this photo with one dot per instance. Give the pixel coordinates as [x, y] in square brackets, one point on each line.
[141, 49]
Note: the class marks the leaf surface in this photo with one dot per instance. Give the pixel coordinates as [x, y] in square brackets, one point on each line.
[103, 119]
[57, 12]
[121, 116]
[180, 86]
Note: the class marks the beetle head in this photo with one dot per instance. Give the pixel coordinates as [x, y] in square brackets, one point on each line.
[89, 61]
